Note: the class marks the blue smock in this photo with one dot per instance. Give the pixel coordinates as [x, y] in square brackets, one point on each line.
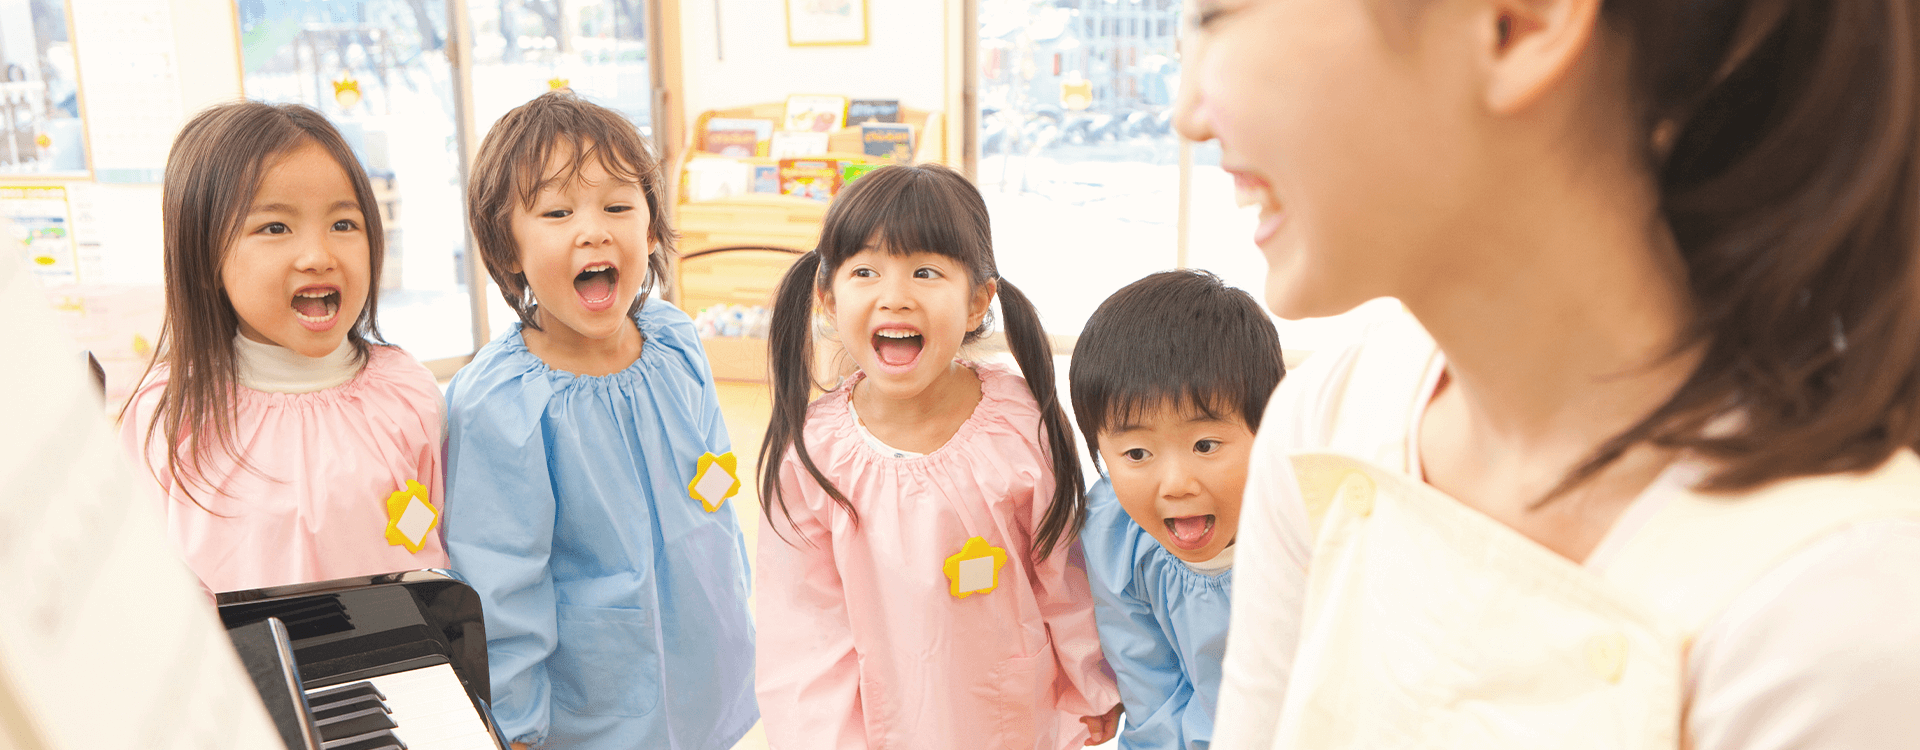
[1163, 627]
[616, 604]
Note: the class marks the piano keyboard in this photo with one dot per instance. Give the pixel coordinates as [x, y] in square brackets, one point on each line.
[418, 709]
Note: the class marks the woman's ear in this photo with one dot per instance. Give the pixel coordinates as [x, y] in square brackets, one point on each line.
[1532, 45]
[982, 301]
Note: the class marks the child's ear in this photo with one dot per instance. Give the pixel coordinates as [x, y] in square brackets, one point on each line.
[982, 299]
[1532, 45]
[823, 299]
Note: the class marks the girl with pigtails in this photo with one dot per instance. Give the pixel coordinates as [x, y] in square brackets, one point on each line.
[917, 585]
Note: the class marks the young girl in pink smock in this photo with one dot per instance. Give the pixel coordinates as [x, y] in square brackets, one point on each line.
[291, 445]
[916, 585]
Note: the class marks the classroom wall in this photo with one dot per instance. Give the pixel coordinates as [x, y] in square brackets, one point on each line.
[735, 53]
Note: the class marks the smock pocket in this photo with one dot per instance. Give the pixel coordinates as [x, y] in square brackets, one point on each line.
[607, 662]
[1022, 698]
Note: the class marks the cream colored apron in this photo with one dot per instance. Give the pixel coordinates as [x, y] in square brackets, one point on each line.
[1430, 625]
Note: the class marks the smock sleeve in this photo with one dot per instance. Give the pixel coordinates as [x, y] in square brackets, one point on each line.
[1269, 588]
[1145, 663]
[807, 673]
[1060, 586]
[500, 519]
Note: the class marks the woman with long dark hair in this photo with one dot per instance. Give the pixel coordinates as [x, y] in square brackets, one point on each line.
[1641, 474]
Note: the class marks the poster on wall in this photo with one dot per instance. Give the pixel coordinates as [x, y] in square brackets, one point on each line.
[133, 87]
[38, 221]
[817, 23]
[41, 132]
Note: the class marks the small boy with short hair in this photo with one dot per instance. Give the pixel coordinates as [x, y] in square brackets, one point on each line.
[1169, 380]
[589, 470]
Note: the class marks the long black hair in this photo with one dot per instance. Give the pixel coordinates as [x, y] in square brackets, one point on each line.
[1785, 136]
[907, 209]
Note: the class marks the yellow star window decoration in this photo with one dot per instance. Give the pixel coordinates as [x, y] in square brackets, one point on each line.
[346, 91]
[410, 517]
[557, 84]
[715, 479]
[976, 569]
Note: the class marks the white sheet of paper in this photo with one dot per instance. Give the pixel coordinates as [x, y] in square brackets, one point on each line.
[106, 640]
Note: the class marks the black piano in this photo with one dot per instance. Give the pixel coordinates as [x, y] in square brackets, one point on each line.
[388, 662]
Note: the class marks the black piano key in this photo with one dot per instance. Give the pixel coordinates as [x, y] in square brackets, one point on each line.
[356, 723]
[372, 741]
[352, 690]
[331, 711]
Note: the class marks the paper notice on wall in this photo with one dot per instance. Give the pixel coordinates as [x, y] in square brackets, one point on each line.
[40, 223]
[132, 86]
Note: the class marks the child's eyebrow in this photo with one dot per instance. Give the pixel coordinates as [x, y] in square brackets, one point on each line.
[284, 208]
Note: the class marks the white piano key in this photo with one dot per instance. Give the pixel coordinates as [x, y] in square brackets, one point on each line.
[433, 710]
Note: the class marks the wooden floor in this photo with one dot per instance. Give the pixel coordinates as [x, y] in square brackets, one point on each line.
[746, 408]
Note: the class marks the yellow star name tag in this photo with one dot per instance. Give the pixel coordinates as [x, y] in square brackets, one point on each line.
[410, 517]
[715, 480]
[976, 569]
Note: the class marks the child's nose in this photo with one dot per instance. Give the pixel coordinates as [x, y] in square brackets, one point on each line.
[316, 255]
[594, 232]
[896, 294]
[1180, 480]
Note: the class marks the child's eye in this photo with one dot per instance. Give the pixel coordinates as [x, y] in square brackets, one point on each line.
[864, 273]
[925, 273]
[558, 213]
[623, 208]
[275, 228]
[1205, 447]
[345, 225]
[1135, 454]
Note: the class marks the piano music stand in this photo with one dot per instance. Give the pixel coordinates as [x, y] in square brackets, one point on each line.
[268, 656]
[373, 627]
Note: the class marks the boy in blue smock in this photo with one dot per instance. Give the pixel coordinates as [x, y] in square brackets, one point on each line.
[1169, 380]
[589, 473]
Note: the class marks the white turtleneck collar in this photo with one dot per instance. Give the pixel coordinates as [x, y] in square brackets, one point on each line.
[277, 369]
[1220, 562]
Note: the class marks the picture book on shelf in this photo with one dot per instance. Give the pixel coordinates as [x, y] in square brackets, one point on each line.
[853, 170]
[787, 143]
[738, 136]
[872, 110]
[817, 179]
[815, 114]
[888, 140]
[766, 179]
[711, 177]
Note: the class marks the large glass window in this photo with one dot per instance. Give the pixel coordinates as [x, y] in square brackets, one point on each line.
[1082, 169]
[379, 70]
[40, 130]
[1078, 160]
[523, 48]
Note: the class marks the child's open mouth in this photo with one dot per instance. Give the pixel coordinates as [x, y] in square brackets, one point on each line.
[595, 284]
[1190, 532]
[317, 308]
[897, 347]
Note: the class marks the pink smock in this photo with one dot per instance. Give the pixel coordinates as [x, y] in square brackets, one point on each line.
[862, 643]
[325, 465]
